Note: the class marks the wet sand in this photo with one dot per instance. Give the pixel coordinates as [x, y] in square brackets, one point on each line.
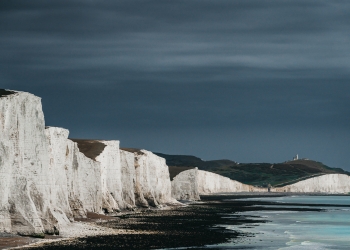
[195, 225]
[15, 241]
[10, 240]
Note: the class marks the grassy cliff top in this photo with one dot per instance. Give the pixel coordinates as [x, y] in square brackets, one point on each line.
[132, 150]
[90, 148]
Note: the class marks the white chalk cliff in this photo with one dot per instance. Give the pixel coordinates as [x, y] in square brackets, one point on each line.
[46, 179]
[83, 181]
[184, 186]
[328, 183]
[128, 176]
[152, 186]
[109, 160]
[29, 204]
[189, 184]
[209, 183]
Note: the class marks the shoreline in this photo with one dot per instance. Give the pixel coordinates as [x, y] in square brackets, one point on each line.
[80, 228]
[194, 225]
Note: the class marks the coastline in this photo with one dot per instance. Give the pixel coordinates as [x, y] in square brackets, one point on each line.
[79, 228]
[194, 225]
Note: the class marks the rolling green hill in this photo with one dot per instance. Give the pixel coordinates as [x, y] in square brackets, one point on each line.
[257, 174]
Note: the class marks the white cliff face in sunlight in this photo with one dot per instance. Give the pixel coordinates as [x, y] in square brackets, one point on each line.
[128, 177]
[27, 183]
[109, 159]
[189, 184]
[161, 184]
[83, 181]
[152, 180]
[184, 186]
[328, 183]
[58, 152]
[79, 177]
[209, 183]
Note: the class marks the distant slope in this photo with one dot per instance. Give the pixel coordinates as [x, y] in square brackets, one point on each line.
[258, 174]
[193, 161]
[174, 171]
[280, 174]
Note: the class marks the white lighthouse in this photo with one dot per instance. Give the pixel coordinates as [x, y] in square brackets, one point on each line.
[295, 157]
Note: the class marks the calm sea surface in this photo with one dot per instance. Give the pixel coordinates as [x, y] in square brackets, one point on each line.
[297, 230]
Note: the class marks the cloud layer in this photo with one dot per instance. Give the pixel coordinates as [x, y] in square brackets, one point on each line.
[247, 80]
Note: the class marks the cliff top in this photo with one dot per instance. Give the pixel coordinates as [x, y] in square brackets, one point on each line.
[174, 170]
[4, 92]
[193, 161]
[132, 150]
[90, 148]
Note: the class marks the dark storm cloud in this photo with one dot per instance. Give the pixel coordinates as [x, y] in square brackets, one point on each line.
[117, 68]
[153, 36]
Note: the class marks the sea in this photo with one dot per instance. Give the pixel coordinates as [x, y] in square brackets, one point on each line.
[329, 229]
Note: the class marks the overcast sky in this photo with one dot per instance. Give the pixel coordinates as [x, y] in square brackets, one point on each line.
[249, 80]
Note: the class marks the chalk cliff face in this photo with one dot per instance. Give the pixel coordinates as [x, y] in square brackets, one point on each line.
[80, 176]
[184, 186]
[128, 176]
[26, 182]
[329, 183]
[58, 153]
[209, 183]
[152, 186]
[189, 184]
[155, 180]
[109, 159]
[114, 178]
[131, 178]
[84, 180]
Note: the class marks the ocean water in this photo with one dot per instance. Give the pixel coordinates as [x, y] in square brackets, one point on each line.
[297, 229]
